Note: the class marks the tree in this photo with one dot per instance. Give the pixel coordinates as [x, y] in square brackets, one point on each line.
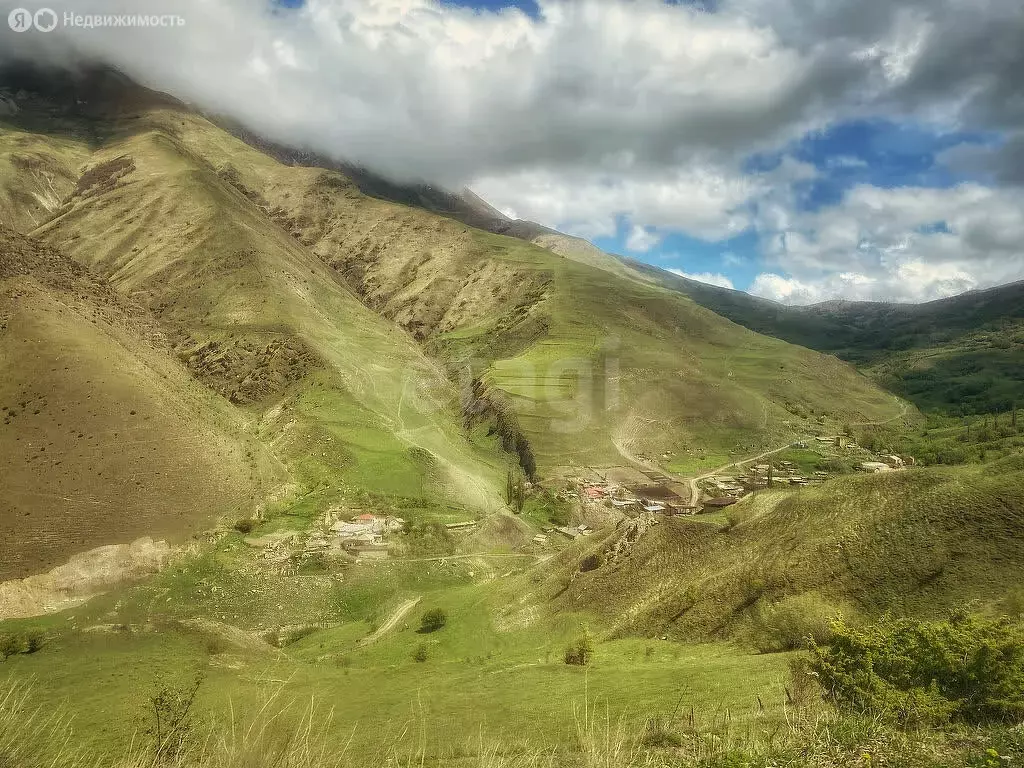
[420, 654]
[520, 494]
[34, 642]
[515, 491]
[433, 620]
[9, 645]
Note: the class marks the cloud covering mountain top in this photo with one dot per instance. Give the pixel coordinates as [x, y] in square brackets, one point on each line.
[636, 122]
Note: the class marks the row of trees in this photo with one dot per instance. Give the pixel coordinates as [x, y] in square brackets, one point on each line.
[991, 426]
[479, 404]
[13, 644]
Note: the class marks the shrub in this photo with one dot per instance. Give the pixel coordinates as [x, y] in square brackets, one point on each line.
[9, 645]
[172, 724]
[836, 466]
[420, 654]
[735, 515]
[35, 641]
[245, 525]
[659, 734]
[433, 620]
[591, 562]
[792, 623]
[968, 669]
[580, 651]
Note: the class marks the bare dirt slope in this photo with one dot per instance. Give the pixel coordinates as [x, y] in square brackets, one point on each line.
[104, 436]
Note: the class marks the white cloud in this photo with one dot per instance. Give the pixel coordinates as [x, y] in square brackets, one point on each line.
[700, 199]
[642, 239]
[420, 90]
[785, 289]
[706, 277]
[903, 244]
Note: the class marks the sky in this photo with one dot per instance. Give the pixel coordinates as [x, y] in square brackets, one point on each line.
[800, 150]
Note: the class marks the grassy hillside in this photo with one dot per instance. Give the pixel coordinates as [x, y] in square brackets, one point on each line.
[251, 264]
[104, 436]
[960, 356]
[593, 365]
[245, 627]
[915, 543]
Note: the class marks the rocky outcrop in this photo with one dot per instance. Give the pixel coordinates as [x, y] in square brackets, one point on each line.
[630, 532]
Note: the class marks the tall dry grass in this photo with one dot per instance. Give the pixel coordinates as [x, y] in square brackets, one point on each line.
[283, 733]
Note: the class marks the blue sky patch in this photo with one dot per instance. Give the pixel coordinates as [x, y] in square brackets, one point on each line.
[529, 7]
[879, 153]
[737, 258]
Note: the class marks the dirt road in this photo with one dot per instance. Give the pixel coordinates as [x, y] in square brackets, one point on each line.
[695, 492]
[392, 621]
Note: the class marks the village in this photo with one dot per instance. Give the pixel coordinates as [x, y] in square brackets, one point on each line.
[631, 491]
[602, 495]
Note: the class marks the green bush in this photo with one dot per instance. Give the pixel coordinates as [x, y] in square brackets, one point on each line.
[420, 654]
[10, 645]
[968, 669]
[792, 623]
[433, 620]
[591, 562]
[580, 651]
[35, 641]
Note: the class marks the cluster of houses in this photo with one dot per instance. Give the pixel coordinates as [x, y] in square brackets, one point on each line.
[665, 497]
[726, 490]
[888, 463]
[364, 534]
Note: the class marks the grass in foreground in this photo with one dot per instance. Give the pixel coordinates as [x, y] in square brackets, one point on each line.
[286, 732]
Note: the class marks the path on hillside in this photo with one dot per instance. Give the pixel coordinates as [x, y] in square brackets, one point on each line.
[617, 441]
[468, 485]
[904, 407]
[468, 556]
[388, 625]
[691, 482]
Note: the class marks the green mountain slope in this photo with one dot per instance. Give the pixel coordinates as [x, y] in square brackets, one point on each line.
[594, 365]
[104, 436]
[960, 355]
[271, 280]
